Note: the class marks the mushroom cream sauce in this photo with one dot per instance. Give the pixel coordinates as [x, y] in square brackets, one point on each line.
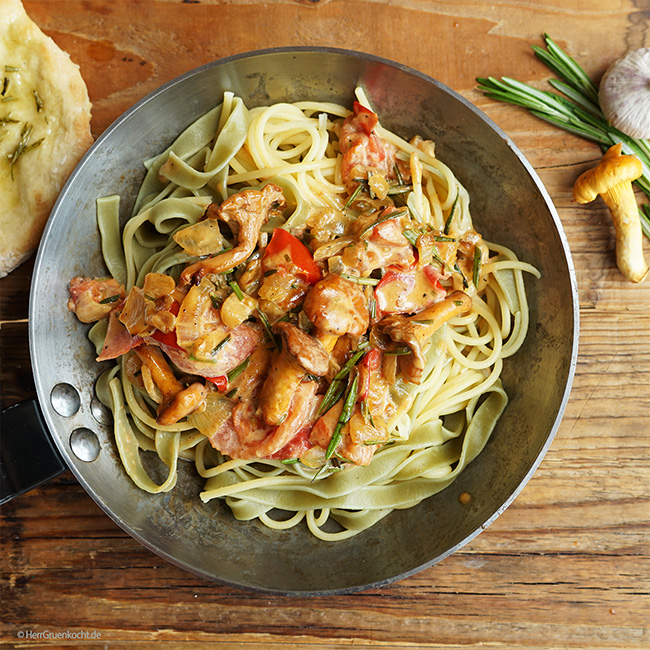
[300, 306]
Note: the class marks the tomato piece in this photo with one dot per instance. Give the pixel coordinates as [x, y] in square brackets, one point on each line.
[433, 275]
[296, 447]
[168, 338]
[370, 363]
[220, 382]
[392, 292]
[364, 118]
[372, 359]
[287, 252]
[409, 292]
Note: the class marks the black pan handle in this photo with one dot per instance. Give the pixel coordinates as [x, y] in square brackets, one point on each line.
[28, 456]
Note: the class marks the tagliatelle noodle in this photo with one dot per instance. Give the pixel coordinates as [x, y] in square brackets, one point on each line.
[444, 422]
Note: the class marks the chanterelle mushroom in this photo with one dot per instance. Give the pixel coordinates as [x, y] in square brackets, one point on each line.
[301, 354]
[336, 307]
[415, 331]
[177, 400]
[612, 180]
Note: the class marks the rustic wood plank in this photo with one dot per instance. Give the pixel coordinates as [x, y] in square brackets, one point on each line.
[567, 565]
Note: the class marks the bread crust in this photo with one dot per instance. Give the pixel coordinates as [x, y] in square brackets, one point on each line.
[46, 107]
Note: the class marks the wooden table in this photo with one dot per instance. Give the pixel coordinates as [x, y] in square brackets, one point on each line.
[567, 565]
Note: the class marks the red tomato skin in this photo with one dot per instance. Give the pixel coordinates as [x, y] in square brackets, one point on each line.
[170, 337]
[220, 382]
[434, 277]
[283, 242]
[166, 339]
[366, 120]
[297, 446]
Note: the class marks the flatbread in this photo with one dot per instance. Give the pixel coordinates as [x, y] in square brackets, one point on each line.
[44, 130]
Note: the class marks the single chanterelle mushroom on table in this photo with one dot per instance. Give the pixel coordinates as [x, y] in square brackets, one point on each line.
[612, 180]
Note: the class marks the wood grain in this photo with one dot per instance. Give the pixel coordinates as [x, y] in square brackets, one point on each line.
[567, 565]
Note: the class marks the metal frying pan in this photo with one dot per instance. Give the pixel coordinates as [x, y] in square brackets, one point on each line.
[509, 205]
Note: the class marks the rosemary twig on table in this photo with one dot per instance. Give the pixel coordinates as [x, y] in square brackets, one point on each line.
[576, 110]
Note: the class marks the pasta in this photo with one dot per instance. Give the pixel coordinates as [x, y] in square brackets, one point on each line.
[250, 235]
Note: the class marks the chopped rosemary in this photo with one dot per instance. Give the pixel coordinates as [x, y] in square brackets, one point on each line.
[372, 308]
[355, 278]
[399, 350]
[411, 235]
[331, 396]
[236, 289]
[399, 189]
[267, 327]
[231, 393]
[270, 272]
[11, 68]
[398, 174]
[7, 119]
[351, 362]
[327, 466]
[353, 196]
[110, 299]
[370, 190]
[365, 411]
[346, 414]
[216, 303]
[477, 266]
[396, 214]
[23, 146]
[439, 238]
[450, 218]
[341, 459]
[39, 101]
[9, 98]
[462, 275]
[237, 370]
[5, 86]
[220, 344]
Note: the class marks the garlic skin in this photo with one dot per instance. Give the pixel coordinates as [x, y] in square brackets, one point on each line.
[624, 93]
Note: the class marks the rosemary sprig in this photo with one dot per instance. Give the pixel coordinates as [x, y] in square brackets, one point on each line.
[331, 396]
[221, 343]
[357, 280]
[575, 110]
[396, 214]
[238, 369]
[267, 326]
[236, 289]
[452, 212]
[23, 147]
[352, 361]
[399, 350]
[353, 196]
[411, 235]
[476, 276]
[336, 388]
[346, 414]
[110, 299]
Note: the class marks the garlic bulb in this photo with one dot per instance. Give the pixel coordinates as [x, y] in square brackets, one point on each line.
[624, 93]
